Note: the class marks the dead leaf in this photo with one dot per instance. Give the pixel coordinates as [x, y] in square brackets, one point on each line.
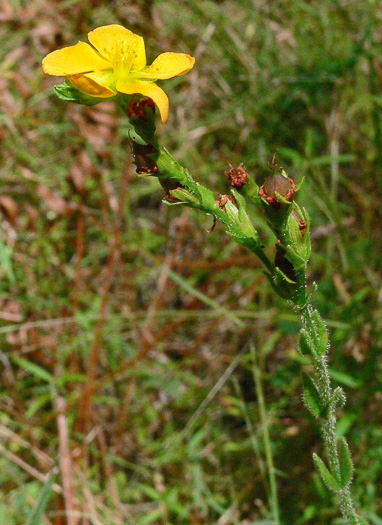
[55, 202]
[9, 208]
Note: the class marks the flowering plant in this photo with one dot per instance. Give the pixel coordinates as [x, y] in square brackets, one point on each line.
[115, 63]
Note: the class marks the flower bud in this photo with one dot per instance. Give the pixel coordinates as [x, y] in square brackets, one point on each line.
[277, 184]
[237, 177]
[138, 108]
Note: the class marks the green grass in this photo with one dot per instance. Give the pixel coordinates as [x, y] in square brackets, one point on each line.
[169, 442]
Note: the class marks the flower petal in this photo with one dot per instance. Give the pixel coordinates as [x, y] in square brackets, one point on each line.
[72, 60]
[148, 89]
[91, 87]
[108, 41]
[169, 65]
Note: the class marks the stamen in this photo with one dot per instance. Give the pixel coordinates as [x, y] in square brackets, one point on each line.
[125, 54]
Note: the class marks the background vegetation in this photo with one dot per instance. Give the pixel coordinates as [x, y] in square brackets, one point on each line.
[103, 285]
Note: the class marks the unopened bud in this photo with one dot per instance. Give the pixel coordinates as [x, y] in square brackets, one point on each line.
[237, 177]
[277, 184]
[138, 108]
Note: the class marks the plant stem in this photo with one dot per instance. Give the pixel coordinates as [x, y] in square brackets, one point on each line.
[287, 276]
[328, 428]
[266, 437]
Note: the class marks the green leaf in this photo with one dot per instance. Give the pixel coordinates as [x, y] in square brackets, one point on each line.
[279, 289]
[326, 475]
[346, 464]
[306, 343]
[344, 379]
[317, 331]
[339, 398]
[207, 198]
[69, 93]
[281, 274]
[292, 256]
[33, 369]
[321, 333]
[184, 196]
[312, 397]
[35, 517]
[245, 223]
[37, 404]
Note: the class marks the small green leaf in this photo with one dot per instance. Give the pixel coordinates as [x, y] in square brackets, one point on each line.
[69, 93]
[321, 333]
[281, 274]
[35, 517]
[184, 196]
[306, 344]
[245, 222]
[339, 398]
[312, 397]
[344, 379]
[295, 258]
[280, 290]
[317, 331]
[346, 464]
[207, 198]
[326, 475]
[33, 369]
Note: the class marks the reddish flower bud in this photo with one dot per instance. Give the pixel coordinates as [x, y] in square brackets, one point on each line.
[277, 183]
[237, 177]
[137, 108]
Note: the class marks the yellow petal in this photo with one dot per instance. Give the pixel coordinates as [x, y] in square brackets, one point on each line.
[169, 65]
[72, 60]
[148, 89]
[91, 87]
[109, 40]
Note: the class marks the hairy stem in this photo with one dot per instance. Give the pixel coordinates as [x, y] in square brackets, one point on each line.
[328, 426]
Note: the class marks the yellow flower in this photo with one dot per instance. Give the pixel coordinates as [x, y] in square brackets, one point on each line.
[117, 62]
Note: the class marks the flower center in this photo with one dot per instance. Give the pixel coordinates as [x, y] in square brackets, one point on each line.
[124, 55]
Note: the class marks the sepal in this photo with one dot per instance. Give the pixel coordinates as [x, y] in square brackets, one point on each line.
[69, 93]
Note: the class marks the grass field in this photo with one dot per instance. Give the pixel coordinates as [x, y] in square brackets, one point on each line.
[103, 284]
